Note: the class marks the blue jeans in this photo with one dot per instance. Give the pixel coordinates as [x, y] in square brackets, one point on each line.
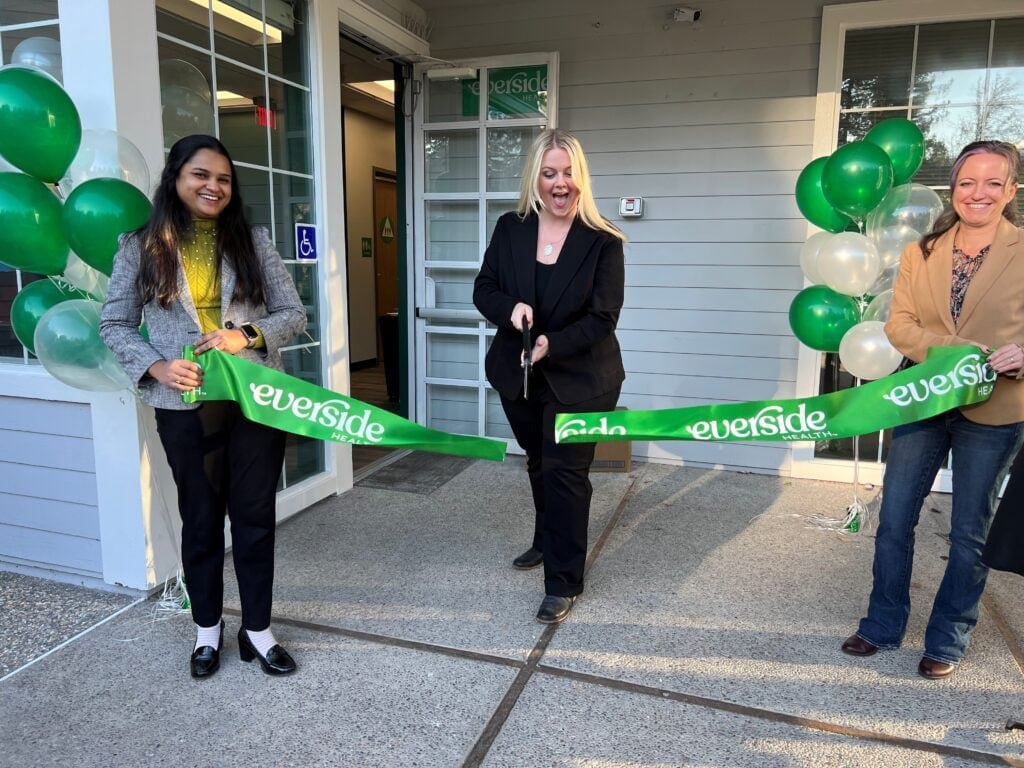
[981, 459]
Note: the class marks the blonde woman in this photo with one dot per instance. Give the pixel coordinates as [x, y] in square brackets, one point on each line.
[554, 266]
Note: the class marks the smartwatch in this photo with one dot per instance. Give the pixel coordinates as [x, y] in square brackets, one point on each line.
[251, 334]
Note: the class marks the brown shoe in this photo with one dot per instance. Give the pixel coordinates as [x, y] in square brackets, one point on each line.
[855, 645]
[933, 669]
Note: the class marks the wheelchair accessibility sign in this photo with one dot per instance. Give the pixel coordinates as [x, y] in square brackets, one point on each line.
[305, 242]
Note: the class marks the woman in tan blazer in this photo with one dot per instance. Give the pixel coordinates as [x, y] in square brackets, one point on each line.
[963, 283]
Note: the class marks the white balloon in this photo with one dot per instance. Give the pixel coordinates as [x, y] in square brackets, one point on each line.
[849, 263]
[69, 346]
[106, 155]
[885, 280]
[865, 351]
[890, 242]
[879, 307]
[186, 100]
[42, 53]
[85, 278]
[913, 206]
[809, 256]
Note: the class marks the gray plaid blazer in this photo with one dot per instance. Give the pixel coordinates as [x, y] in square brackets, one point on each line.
[280, 319]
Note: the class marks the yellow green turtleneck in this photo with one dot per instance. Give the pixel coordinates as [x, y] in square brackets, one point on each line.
[199, 258]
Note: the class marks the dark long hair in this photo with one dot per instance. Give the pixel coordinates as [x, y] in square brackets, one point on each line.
[161, 237]
[949, 218]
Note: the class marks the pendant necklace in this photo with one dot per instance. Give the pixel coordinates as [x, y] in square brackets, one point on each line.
[550, 247]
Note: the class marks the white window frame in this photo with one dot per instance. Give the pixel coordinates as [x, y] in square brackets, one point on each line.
[836, 20]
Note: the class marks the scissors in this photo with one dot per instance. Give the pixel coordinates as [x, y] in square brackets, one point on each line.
[527, 360]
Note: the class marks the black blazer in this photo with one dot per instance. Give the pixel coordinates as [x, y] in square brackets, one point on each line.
[578, 312]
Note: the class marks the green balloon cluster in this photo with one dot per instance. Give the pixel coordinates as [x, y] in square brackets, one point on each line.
[96, 213]
[856, 177]
[903, 142]
[810, 199]
[820, 317]
[40, 134]
[39, 126]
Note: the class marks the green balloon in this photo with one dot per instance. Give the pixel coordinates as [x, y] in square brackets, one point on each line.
[820, 317]
[30, 233]
[31, 304]
[96, 213]
[39, 126]
[903, 142]
[856, 177]
[811, 200]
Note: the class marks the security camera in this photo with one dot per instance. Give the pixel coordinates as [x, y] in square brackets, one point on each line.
[688, 15]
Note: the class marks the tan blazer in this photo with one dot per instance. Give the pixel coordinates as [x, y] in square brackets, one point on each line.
[992, 313]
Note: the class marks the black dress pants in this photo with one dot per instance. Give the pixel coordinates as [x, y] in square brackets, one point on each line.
[222, 462]
[560, 481]
[1004, 549]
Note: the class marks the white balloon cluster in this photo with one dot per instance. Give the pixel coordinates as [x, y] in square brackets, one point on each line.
[864, 266]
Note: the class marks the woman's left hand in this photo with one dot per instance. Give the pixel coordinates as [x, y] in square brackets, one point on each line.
[230, 340]
[1007, 359]
[540, 349]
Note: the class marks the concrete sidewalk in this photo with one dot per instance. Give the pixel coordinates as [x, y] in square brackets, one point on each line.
[708, 635]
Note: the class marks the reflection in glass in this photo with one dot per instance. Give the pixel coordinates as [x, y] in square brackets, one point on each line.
[305, 278]
[288, 117]
[452, 161]
[495, 421]
[495, 208]
[26, 12]
[293, 201]
[451, 356]
[239, 36]
[184, 21]
[946, 131]
[452, 409]
[244, 133]
[254, 186]
[876, 70]
[854, 126]
[951, 62]
[453, 289]
[506, 156]
[450, 101]
[452, 231]
[186, 97]
[515, 92]
[288, 58]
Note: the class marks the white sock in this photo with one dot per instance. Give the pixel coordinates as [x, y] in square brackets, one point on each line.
[208, 636]
[262, 640]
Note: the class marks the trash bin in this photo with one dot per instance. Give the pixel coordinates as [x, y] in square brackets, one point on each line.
[388, 325]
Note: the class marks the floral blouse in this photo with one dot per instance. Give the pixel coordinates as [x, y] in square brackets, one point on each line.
[964, 269]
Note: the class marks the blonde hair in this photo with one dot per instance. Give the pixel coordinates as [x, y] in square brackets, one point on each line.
[529, 194]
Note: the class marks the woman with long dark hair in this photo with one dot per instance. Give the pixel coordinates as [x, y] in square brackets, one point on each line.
[199, 275]
[963, 283]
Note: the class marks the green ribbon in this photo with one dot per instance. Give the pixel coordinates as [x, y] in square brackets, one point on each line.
[951, 377]
[292, 405]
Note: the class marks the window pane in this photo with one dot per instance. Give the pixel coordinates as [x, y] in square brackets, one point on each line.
[305, 278]
[517, 92]
[288, 58]
[39, 46]
[240, 124]
[184, 21]
[293, 203]
[946, 131]
[854, 126]
[303, 458]
[506, 155]
[26, 11]
[288, 117]
[1005, 108]
[254, 186]
[452, 161]
[951, 62]
[877, 67]
[9, 344]
[185, 93]
[238, 34]
[452, 409]
[451, 356]
[495, 421]
[495, 209]
[452, 100]
[453, 231]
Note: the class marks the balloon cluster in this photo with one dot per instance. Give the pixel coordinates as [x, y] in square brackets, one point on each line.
[72, 194]
[863, 186]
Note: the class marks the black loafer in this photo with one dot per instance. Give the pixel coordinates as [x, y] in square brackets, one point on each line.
[554, 609]
[277, 662]
[206, 659]
[531, 558]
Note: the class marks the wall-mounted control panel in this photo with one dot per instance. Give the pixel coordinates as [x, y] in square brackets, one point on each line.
[631, 207]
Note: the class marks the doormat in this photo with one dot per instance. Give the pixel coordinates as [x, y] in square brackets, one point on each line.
[419, 472]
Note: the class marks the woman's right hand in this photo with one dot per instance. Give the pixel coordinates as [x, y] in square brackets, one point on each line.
[183, 375]
[521, 312]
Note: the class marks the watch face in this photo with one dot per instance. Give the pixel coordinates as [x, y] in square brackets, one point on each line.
[250, 332]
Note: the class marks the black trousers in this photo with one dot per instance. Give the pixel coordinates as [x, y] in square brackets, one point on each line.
[1004, 549]
[222, 462]
[560, 482]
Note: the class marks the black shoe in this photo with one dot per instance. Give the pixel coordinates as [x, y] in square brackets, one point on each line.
[554, 609]
[531, 558]
[277, 661]
[206, 659]
[855, 645]
[934, 669]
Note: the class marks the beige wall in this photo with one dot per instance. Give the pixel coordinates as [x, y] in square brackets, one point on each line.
[369, 143]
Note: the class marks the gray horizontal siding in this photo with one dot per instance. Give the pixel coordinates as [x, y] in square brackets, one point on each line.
[711, 124]
[48, 505]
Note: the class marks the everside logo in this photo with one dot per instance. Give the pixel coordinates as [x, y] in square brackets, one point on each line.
[579, 427]
[332, 414]
[513, 83]
[771, 421]
[969, 371]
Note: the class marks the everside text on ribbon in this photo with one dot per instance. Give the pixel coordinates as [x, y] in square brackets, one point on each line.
[951, 377]
[292, 405]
